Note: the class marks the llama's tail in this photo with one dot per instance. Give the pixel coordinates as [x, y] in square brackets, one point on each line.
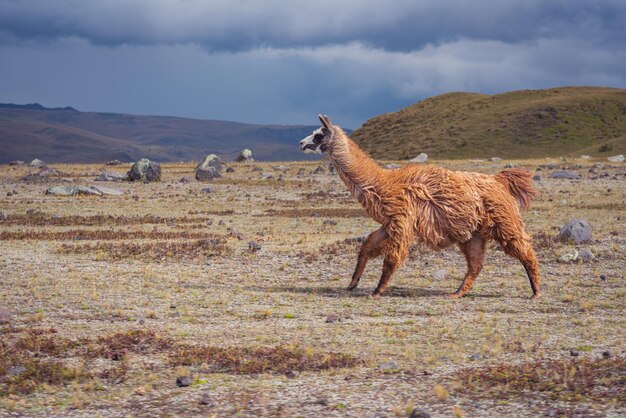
[519, 183]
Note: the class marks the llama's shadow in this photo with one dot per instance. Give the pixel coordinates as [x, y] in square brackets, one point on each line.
[340, 292]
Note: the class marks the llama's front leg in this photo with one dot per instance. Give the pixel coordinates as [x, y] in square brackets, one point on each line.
[371, 248]
[393, 260]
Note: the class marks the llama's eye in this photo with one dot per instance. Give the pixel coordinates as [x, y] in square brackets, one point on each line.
[318, 137]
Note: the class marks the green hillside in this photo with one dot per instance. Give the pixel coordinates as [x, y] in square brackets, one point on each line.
[566, 121]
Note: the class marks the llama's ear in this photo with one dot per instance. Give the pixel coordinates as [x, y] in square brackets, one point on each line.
[326, 122]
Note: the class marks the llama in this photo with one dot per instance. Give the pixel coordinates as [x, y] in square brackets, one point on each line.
[431, 205]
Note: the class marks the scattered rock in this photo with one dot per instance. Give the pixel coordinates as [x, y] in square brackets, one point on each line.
[332, 317]
[603, 277]
[34, 212]
[256, 169]
[568, 257]
[205, 399]
[574, 353]
[329, 222]
[585, 157]
[606, 354]
[389, 366]
[421, 158]
[548, 166]
[253, 246]
[209, 168]
[230, 170]
[3, 216]
[475, 357]
[577, 230]
[206, 190]
[495, 159]
[37, 163]
[17, 162]
[536, 177]
[15, 370]
[267, 176]
[419, 413]
[109, 191]
[438, 274]
[184, 381]
[564, 174]
[291, 374]
[185, 179]
[110, 176]
[319, 170]
[616, 158]
[245, 155]
[509, 165]
[5, 316]
[392, 166]
[585, 255]
[113, 162]
[73, 191]
[42, 176]
[145, 170]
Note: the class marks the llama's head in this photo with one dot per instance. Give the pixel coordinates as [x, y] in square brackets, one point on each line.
[320, 139]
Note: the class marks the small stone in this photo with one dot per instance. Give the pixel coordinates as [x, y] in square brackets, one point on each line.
[109, 191]
[509, 165]
[230, 170]
[568, 257]
[206, 190]
[205, 399]
[17, 162]
[388, 366]
[113, 162]
[585, 157]
[392, 166]
[256, 169]
[616, 158]
[495, 159]
[184, 381]
[419, 413]
[438, 274]
[577, 230]
[5, 316]
[421, 158]
[3, 216]
[15, 370]
[319, 170]
[574, 353]
[186, 179]
[585, 255]
[475, 357]
[606, 354]
[291, 374]
[563, 174]
[603, 277]
[110, 176]
[253, 246]
[536, 177]
[332, 317]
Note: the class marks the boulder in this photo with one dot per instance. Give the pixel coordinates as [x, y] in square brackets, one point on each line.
[616, 158]
[37, 163]
[577, 230]
[145, 170]
[42, 176]
[110, 191]
[245, 155]
[564, 174]
[209, 168]
[110, 176]
[421, 158]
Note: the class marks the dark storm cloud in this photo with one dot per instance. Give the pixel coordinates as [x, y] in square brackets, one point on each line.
[237, 25]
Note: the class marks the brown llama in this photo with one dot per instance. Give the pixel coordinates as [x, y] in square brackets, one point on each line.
[432, 205]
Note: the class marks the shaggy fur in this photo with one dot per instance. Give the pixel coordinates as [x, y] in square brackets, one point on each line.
[434, 206]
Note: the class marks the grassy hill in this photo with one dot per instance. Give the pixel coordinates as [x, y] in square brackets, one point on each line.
[67, 135]
[566, 121]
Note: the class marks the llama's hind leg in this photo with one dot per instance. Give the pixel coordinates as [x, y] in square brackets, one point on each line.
[474, 252]
[371, 248]
[523, 250]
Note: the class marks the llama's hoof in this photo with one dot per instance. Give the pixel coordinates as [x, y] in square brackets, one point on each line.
[376, 296]
[536, 296]
[351, 286]
[454, 295]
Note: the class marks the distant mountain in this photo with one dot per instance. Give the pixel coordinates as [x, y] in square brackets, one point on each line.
[567, 121]
[67, 135]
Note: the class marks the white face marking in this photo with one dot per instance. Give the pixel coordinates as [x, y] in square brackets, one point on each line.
[309, 145]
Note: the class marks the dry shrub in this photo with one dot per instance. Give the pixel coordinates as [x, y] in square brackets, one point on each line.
[154, 251]
[568, 380]
[42, 219]
[139, 341]
[254, 360]
[317, 213]
[107, 234]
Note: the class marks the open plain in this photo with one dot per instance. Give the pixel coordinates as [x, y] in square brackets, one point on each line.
[171, 300]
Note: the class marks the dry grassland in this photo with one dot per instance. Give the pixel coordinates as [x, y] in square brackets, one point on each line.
[166, 301]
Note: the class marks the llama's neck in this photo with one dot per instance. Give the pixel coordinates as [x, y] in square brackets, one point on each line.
[356, 169]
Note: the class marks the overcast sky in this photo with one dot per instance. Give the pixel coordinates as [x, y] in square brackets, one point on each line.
[285, 61]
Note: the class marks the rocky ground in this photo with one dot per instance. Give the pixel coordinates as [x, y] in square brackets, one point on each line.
[174, 300]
